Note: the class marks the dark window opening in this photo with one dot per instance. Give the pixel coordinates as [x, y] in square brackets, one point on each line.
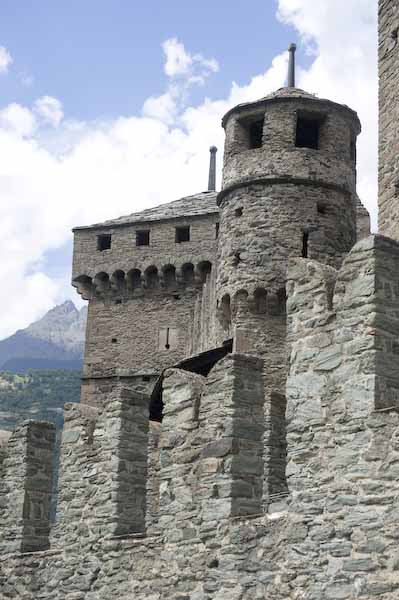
[307, 133]
[146, 378]
[238, 212]
[182, 234]
[169, 276]
[201, 364]
[134, 279]
[321, 208]
[204, 270]
[217, 226]
[114, 340]
[118, 301]
[305, 240]
[104, 242]
[151, 277]
[256, 134]
[188, 273]
[143, 238]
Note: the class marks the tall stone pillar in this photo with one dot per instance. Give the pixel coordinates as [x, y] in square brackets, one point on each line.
[26, 488]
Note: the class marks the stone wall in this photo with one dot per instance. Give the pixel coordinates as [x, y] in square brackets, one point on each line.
[334, 537]
[388, 118]
[130, 338]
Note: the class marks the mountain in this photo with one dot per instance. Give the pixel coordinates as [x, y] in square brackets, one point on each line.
[56, 341]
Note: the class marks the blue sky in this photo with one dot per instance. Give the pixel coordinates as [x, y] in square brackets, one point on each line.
[108, 107]
[103, 59]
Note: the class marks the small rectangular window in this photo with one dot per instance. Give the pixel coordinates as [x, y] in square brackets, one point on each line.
[182, 234]
[308, 132]
[104, 242]
[143, 238]
[217, 225]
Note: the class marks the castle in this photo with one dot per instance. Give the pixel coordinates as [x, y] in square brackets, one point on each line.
[238, 431]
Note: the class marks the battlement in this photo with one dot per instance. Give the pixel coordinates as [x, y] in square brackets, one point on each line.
[343, 329]
[131, 494]
[220, 450]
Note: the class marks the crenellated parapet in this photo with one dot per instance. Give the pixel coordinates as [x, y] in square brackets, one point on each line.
[343, 328]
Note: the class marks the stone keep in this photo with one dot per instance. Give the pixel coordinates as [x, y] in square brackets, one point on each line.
[238, 430]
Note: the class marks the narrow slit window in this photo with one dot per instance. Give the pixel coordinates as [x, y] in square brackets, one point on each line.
[217, 227]
[308, 132]
[305, 242]
[104, 242]
[182, 234]
[143, 238]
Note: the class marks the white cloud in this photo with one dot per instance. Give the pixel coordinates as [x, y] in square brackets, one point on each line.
[52, 179]
[343, 33]
[5, 59]
[163, 107]
[180, 63]
[49, 110]
[184, 70]
[17, 119]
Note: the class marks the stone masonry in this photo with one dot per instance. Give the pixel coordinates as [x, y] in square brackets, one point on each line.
[238, 431]
[388, 50]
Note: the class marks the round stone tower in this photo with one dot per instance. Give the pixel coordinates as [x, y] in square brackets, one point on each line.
[289, 182]
[289, 190]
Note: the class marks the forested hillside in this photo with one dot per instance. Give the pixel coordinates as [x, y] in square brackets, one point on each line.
[38, 395]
